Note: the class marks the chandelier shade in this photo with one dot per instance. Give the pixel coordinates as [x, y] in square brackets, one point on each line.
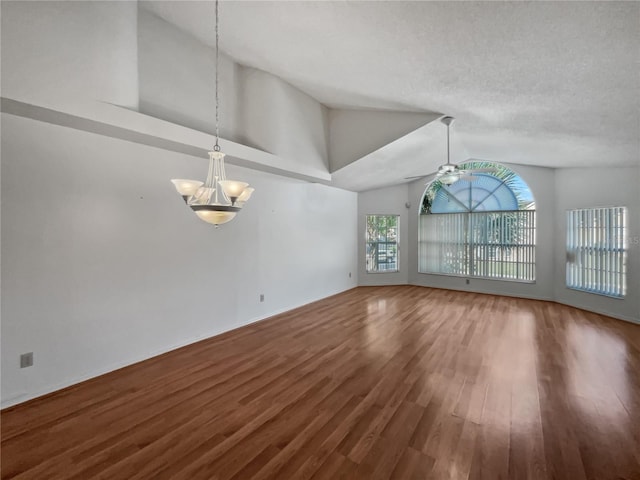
[216, 200]
[232, 188]
[185, 187]
[246, 194]
[215, 217]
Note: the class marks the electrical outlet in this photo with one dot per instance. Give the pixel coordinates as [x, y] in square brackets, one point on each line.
[349, 274]
[26, 360]
[467, 281]
[262, 297]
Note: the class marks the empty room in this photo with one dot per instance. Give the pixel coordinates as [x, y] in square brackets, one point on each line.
[358, 240]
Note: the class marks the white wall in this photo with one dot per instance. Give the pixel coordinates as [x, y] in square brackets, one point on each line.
[118, 53]
[384, 201]
[104, 265]
[555, 191]
[599, 187]
[541, 182]
[56, 50]
[280, 119]
[177, 75]
[356, 133]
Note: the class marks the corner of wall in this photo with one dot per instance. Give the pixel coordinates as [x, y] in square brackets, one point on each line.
[385, 201]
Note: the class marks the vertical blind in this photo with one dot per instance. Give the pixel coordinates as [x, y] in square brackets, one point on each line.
[596, 250]
[497, 245]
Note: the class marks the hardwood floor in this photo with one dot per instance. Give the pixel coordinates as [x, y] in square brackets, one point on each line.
[375, 383]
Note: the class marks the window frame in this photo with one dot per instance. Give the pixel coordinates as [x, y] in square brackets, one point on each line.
[577, 246]
[386, 242]
[490, 232]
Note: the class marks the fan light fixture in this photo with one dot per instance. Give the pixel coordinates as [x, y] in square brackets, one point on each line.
[448, 174]
[217, 200]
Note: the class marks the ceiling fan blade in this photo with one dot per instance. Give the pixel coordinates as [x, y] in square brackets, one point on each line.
[430, 174]
[414, 177]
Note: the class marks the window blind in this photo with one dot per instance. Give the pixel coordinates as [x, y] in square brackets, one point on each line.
[597, 251]
[498, 245]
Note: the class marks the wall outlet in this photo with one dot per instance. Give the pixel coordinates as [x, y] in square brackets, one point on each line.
[262, 297]
[349, 274]
[467, 281]
[26, 360]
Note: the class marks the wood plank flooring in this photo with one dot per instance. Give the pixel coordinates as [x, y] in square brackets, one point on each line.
[375, 383]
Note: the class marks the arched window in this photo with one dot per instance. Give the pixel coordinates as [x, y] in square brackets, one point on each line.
[483, 225]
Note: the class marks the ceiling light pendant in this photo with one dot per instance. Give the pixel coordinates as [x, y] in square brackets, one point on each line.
[448, 173]
[217, 200]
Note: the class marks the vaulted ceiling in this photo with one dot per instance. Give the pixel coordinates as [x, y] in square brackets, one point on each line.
[553, 84]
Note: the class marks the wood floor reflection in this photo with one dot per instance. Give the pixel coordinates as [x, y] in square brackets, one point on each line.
[375, 383]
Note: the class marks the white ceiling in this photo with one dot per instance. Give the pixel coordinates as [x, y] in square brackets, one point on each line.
[553, 84]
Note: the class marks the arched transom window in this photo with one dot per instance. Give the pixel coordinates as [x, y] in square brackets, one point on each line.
[483, 225]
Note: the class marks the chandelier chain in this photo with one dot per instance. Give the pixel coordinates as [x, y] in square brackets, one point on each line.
[448, 157]
[217, 200]
[217, 146]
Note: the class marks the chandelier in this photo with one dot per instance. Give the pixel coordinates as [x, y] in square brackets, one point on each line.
[216, 200]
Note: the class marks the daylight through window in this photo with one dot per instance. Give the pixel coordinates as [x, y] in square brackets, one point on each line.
[382, 243]
[481, 226]
[597, 250]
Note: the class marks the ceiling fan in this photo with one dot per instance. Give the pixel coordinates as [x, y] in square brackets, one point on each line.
[450, 173]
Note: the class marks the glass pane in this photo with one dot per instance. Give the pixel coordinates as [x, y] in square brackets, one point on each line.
[596, 250]
[382, 243]
[481, 244]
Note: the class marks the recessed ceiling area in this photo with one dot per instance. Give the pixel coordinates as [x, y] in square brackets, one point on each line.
[553, 84]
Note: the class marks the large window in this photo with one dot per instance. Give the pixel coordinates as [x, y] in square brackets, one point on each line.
[483, 226]
[382, 243]
[596, 250]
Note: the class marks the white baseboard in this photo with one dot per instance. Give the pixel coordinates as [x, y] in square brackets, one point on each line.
[499, 294]
[25, 396]
[16, 399]
[604, 312]
[601, 311]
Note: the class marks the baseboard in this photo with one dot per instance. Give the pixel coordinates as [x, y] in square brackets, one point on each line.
[14, 399]
[498, 294]
[606, 313]
[25, 397]
[38, 394]
[599, 311]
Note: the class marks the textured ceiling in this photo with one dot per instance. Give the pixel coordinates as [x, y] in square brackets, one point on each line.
[542, 83]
